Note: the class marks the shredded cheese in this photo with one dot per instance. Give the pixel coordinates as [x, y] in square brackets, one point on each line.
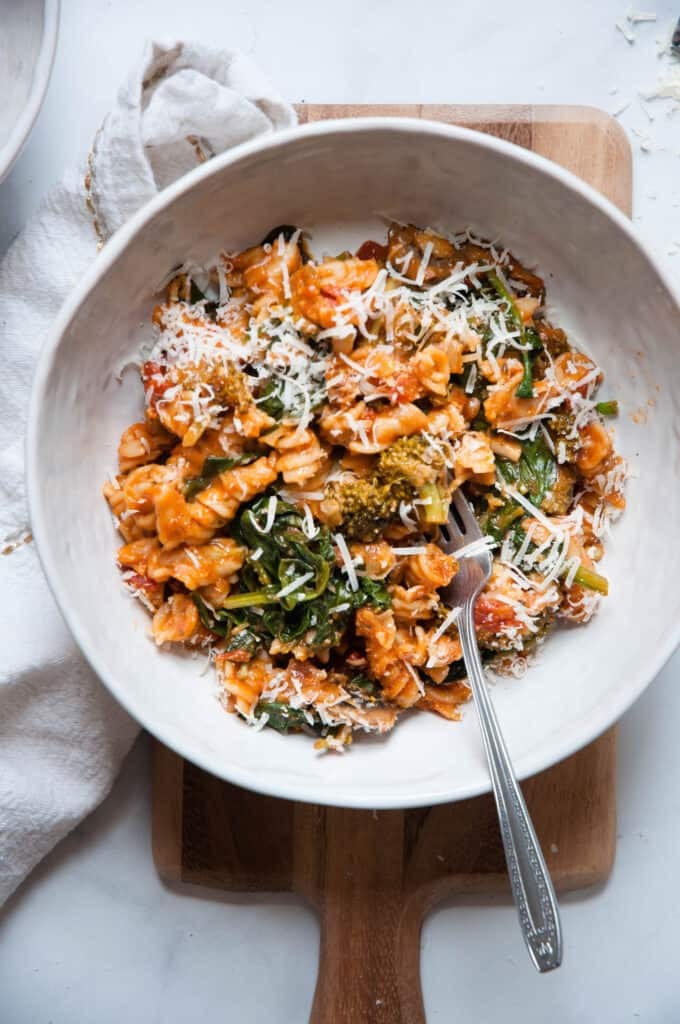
[528, 507]
[308, 527]
[348, 561]
[415, 675]
[295, 584]
[476, 547]
[271, 516]
[445, 624]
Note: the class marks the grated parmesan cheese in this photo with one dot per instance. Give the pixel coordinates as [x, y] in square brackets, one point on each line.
[415, 675]
[476, 547]
[295, 584]
[271, 516]
[348, 561]
[445, 624]
[308, 528]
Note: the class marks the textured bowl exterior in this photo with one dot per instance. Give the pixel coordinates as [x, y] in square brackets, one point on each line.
[339, 179]
[28, 41]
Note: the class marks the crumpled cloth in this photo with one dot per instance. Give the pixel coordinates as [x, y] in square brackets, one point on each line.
[62, 736]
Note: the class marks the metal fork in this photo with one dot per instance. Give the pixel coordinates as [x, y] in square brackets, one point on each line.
[531, 885]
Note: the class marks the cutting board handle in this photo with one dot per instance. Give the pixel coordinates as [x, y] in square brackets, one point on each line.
[369, 960]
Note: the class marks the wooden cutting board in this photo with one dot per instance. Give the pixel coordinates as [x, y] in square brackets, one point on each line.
[373, 876]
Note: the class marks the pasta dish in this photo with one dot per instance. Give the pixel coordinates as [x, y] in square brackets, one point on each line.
[306, 422]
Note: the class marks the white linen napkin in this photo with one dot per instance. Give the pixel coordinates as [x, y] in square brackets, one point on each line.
[62, 737]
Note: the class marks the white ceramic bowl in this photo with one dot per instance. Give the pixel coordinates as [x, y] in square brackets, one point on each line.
[334, 178]
[28, 38]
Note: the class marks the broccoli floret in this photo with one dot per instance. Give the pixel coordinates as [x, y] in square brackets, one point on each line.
[408, 468]
[558, 499]
[410, 459]
[561, 426]
[554, 342]
[230, 386]
[366, 506]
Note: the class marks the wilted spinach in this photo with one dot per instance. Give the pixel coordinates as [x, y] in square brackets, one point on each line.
[317, 611]
[535, 472]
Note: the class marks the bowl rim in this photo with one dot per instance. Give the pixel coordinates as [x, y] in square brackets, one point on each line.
[317, 791]
[42, 71]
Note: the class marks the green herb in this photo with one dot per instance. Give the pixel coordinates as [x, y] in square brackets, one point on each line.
[212, 467]
[503, 292]
[373, 592]
[608, 408]
[535, 472]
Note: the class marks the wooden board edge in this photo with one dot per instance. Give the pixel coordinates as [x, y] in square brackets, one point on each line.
[549, 141]
[467, 113]
[167, 792]
[538, 127]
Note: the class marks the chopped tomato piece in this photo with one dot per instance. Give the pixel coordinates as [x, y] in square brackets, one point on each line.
[493, 615]
[371, 250]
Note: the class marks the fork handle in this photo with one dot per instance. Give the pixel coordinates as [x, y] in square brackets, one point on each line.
[532, 888]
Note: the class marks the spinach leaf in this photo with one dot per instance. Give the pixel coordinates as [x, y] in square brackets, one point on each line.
[498, 522]
[287, 230]
[195, 293]
[270, 401]
[316, 613]
[373, 592]
[243, 640]
[525, 388]
[208, 619]
[212, 467]
[528, 336]
[277, 401]
[535, 472]
[282, 717]
[364, 687]
[457, 670]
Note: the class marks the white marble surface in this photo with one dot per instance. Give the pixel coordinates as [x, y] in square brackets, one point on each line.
[93, 937]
